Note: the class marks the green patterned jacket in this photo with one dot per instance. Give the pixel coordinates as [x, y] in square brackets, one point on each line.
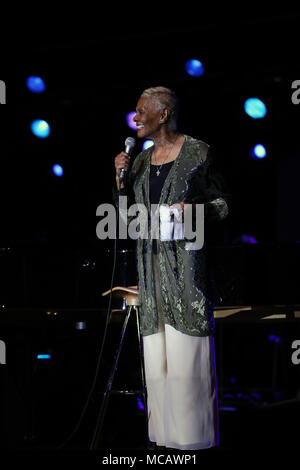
[186, 299]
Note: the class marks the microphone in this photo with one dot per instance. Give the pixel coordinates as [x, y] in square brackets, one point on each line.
[129, 144]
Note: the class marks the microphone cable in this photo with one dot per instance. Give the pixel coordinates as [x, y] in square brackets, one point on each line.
[92, 389]
[106, 324]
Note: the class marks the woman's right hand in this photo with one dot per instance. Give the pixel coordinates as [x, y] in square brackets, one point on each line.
[121, 161]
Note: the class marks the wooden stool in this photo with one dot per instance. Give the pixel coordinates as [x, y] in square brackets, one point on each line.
[130, 296]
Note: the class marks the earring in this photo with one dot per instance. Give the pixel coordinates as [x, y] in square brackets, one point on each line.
[161, 121]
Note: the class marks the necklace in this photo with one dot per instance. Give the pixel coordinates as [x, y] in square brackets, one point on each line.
[158, 170]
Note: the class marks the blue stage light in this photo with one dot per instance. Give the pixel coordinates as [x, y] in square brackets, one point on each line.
[35, 84]
[57, 170]
[130, 121]
[255, 108]
[248, 239]
[140, 404]
[227, 408]
[258, 151]
[40, 128]
[43, 356]
[147, 144]
[194, 67]
[245, 238]
[274, 338]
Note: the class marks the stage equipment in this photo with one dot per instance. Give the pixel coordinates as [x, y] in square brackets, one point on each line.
[130, 296]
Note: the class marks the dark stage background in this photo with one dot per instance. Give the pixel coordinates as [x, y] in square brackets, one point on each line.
[52, 261]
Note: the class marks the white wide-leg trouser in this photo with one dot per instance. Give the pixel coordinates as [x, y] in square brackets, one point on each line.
[181, 388]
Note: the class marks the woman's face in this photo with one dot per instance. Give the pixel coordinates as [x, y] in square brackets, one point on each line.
[147, 117]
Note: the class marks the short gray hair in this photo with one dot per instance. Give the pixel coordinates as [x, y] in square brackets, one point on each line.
[167, 99]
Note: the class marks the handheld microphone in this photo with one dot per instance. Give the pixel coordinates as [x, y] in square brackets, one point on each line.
[129, 144]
